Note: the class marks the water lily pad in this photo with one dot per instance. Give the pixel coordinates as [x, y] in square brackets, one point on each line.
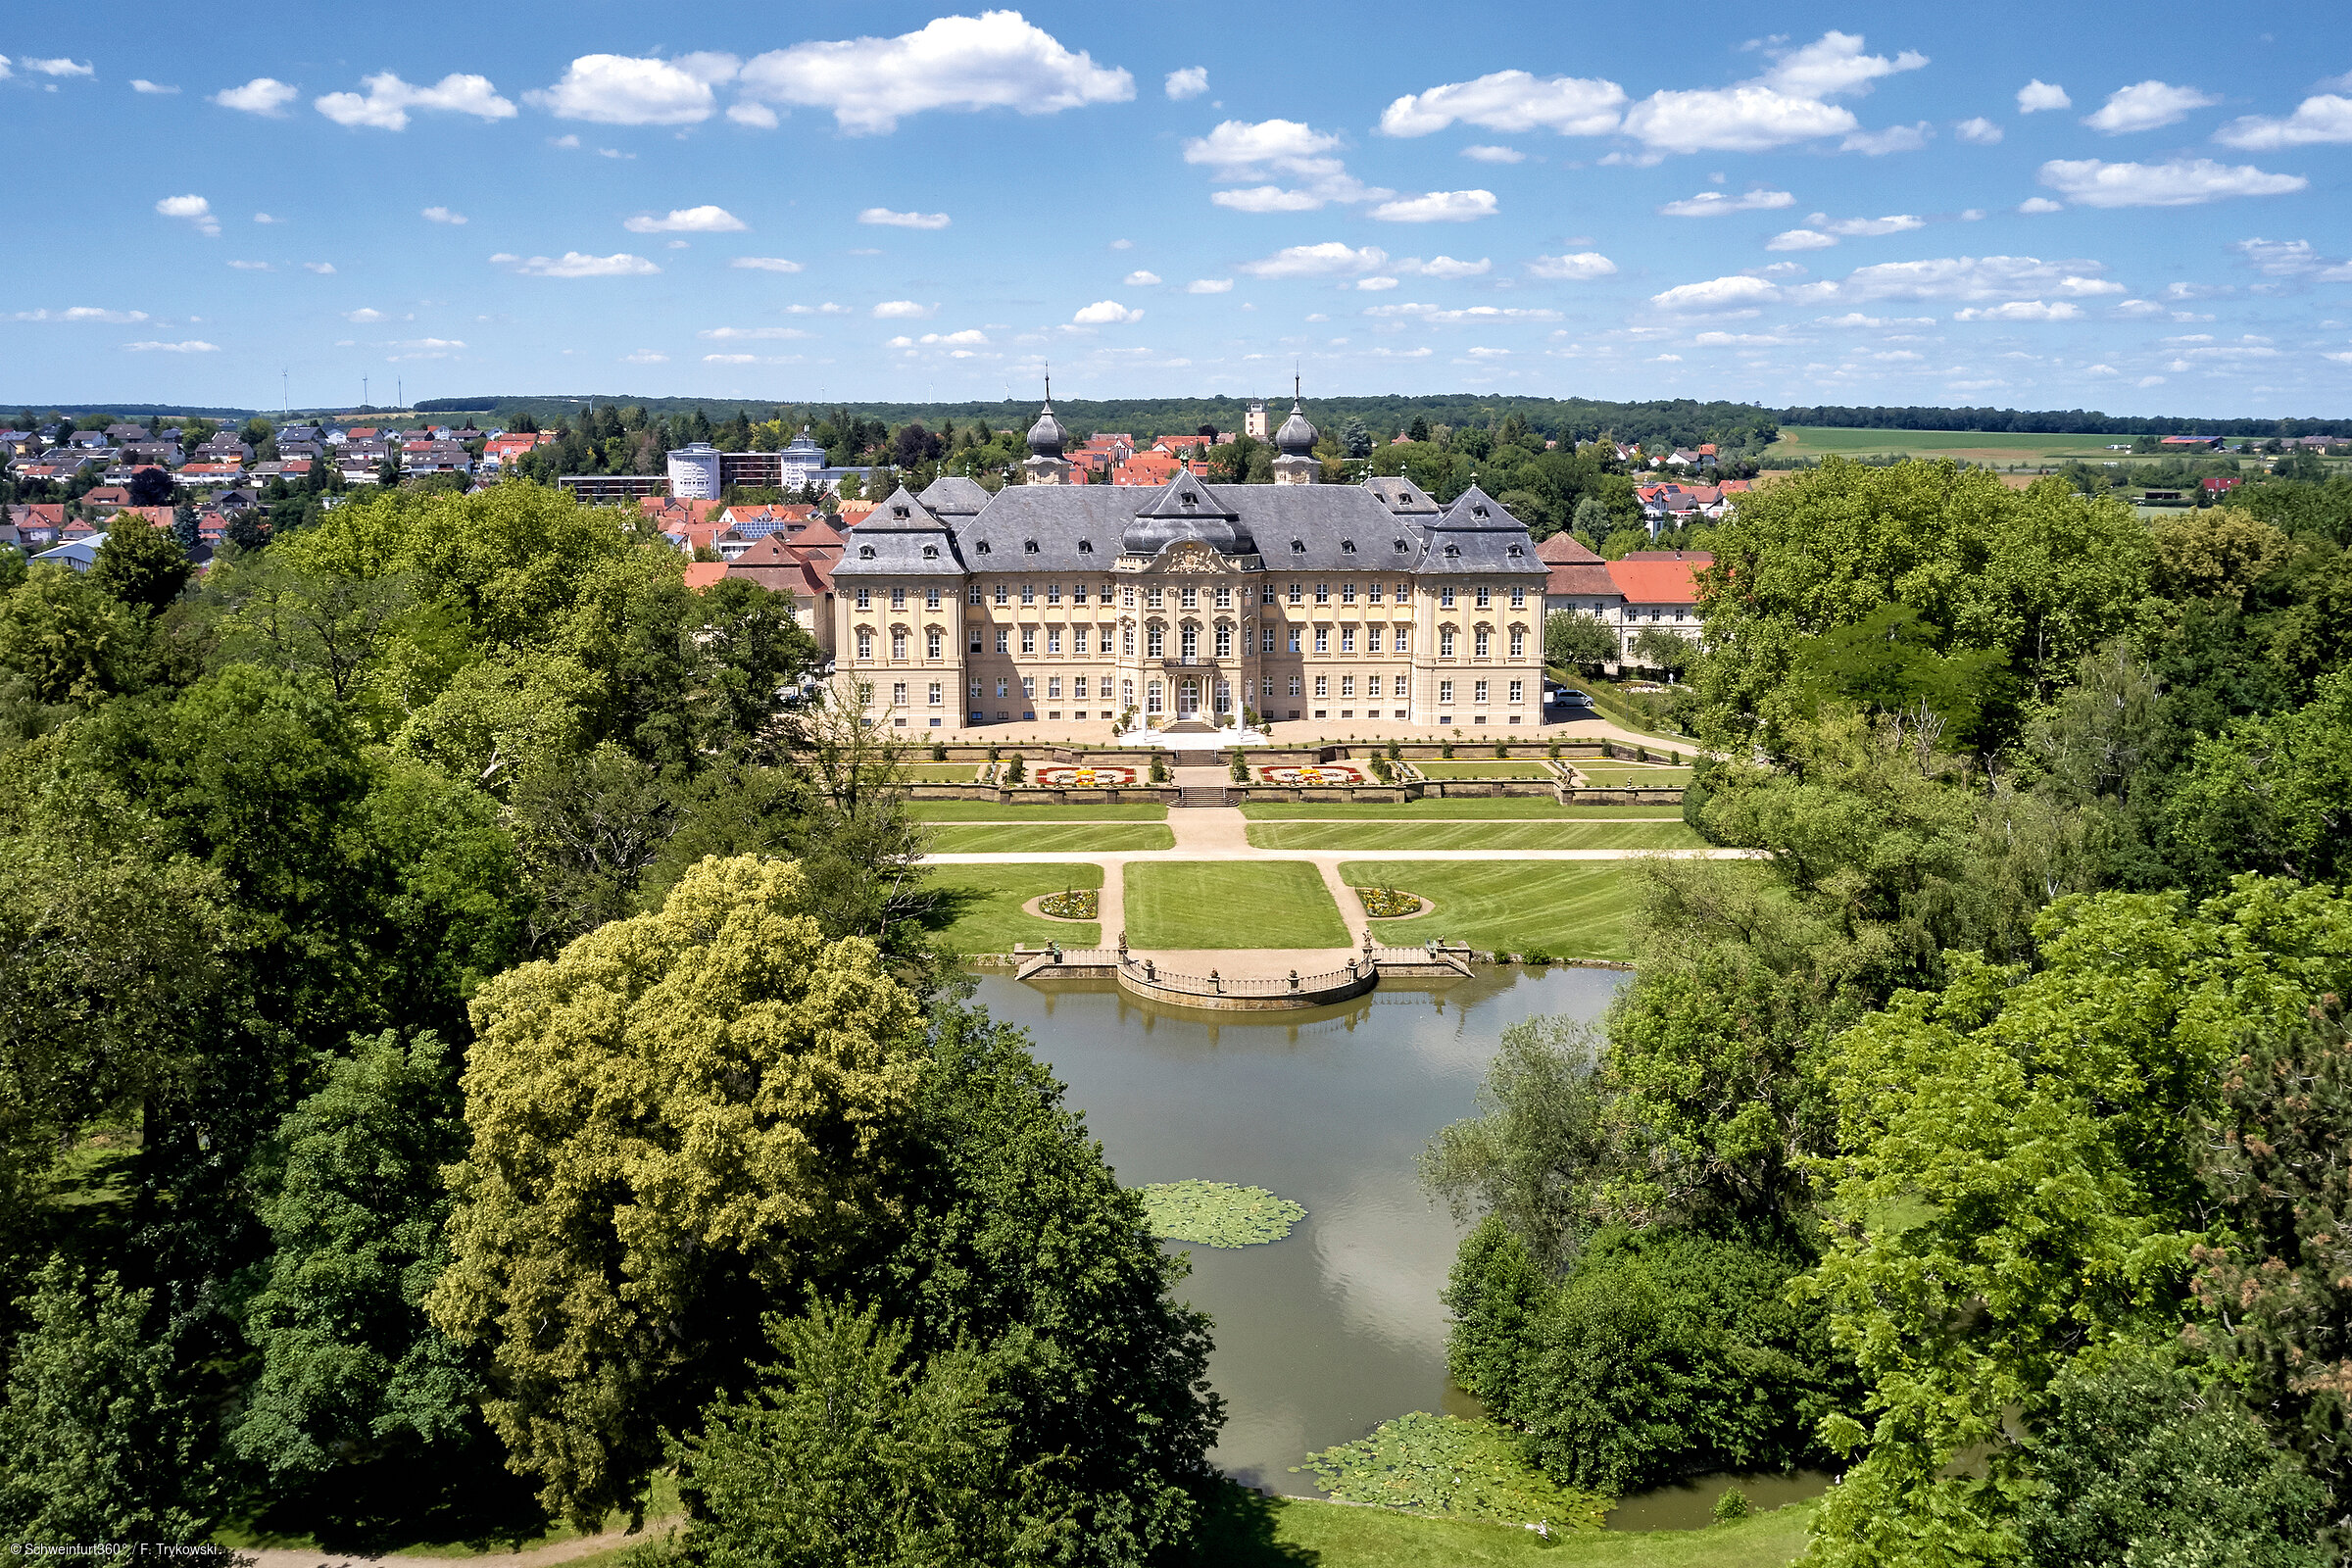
[1452, 1468]
[1217, 1213]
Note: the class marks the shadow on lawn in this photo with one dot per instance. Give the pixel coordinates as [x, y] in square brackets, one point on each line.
[1237, 1531]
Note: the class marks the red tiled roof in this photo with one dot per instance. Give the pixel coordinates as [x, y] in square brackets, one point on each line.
[1590, 579]
[781, 568]
[701, 574]
[1657, 582]
[666, 510]
[1564, 549]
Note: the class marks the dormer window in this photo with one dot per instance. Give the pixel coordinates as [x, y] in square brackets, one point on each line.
[1297, 547]
[982, 546]
[1402, 547]
[1086, 547]
[1189, 499]
[1453, 550]
[901, 511]
[1028, 547]
[865, 552]
[1478, 511]
[930, 551]
[1515, 550]
[1346, 547]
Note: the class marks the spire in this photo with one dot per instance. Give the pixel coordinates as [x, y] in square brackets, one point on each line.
[1047, 436]
[1298, 435]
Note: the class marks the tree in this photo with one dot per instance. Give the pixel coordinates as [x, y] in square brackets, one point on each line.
[66, 641]
[140, 565]
[96, 1443]
[2270, 793]
[2139, 1462]
[151, 486]
[248, 529]
[184, 528]
[1662, 649]
[1532, 1162]
[849, 1450]
[1356, 439]
[1419, 428]
[683, 1116]
[1582, 641]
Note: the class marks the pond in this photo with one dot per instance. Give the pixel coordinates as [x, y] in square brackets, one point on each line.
[1325, 1334]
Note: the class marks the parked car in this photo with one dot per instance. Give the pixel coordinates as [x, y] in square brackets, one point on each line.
[1567, 697]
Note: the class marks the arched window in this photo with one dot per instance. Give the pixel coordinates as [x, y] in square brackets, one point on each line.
[1224, 642]
[1156, 643]
[1190, 640]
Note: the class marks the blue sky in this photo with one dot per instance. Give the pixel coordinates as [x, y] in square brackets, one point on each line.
[2050, 208]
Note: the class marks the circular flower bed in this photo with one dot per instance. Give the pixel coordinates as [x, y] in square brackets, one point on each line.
[1084, 903]
[1390, 904]
[1089, 777]
[1217, 1213]
[1328, 773]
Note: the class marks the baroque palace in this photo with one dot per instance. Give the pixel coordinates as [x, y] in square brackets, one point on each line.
[1191, 606]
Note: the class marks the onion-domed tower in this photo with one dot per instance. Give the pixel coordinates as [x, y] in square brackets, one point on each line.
[1045, 464]
[1297, 440]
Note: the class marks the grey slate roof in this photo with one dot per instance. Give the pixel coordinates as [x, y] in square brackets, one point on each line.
[891, 541]
[1400, 495]
[953, 496]
[1477, 534]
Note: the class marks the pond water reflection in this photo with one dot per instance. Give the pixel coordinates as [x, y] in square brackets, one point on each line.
[1325, 1334]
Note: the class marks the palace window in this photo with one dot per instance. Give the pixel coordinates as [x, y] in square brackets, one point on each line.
[865, 599]
[1003, 634]
[1265, 643]
[1372, 639]
[1518, 691]
[1029, 687]
[1126, 694]
[1127, 641]
[1293, 646]
[898, 599]
[1296, 590]
[975, 690]
[975, 638]
[1445, 596]
[1322, 592]
[1518, 641]
[938, 692]
[1518, 596]
[1078, 688]
[1445, 693]
[931, 600]
[971, 596]
[865, 643]
[1151, 598]
[1372, 592]
[1483, 596]
[897, 645]
[1405, 591]
[1155, 641]
[1265, 688]
[1053, 687]
[1444, 642]
[1053, 640]
[1192, 599]
[1404, 639]
[1322, 685]
[1483, 641]
[1265, 596]
[1053, 592]
[1190, 641]
[1028, 639]
[1003, 591]
[1126, 597]
[1077, 593]
[1028, 593]
[1294, 685]
[1224, 642]
[1347, 639]
[866, 694]
[1478, 691]
[1002, 685]
[1347, 593]
[898, 694]
[1105, 639]
[1347, 685]
[1322, 639]
[1151, 698]
[1225, 598]
[931, 644]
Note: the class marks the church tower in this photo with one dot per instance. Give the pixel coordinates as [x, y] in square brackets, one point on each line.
[1296, 438]
[1045, 464]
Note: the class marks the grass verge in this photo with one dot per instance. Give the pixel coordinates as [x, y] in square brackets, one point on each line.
[1601, 775]
[1248, 1530]
[1497, 808]
[1230, 904]
[1370, 836]
[1052, 838]
[941, 773]
[1568, 908]
[980, 906]
[1492, 767]
[993, 812]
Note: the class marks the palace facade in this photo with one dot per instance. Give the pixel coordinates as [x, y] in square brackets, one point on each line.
[1191, 604]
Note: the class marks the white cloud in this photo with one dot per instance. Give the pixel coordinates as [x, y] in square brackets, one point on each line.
[2034, 205]
[573, 264]
[265, 217]
[1139, 278]
[764, 263]
[827, 309]
[425, 347]
[442, 215]
[1444, 267]
[323, 269]
[996, 59]
[1441, 316]
[1510, 100]
[1717, 340]
[1799, 239]
[1835, 64]
[251, 267]
[2021, 311]
[887, 219]
[730, 359]
[2293, 258]
[195, 209]
[2323, 118]
[757, 115]
[193, 345]
[1866, 228]
[645, 357]
[628, 90]
[729, 334]
[82, 313]
[364, 315]
[688, 220]
[1858, 320]
[1577, 267]
[1105, 313]
[1978, 133]
[263, 95]
[1209, 285]
[969, 337]
[1238, 151]
[1331, 259]
[1438, 207]
[903, 311]
[1967, 280]
[1485, 154]
[1748, 118]
[1718, 294]
[2149, 380]
[2038, 95]
[1708, 203]
[1894, 139]
[1190, 82]
[2136, 308]
[1375, 285]
[1122, 244]
[388, 100]
[1666, 359]
[2181, 182]
[2145, 106]
[58, 67]
[143, 85]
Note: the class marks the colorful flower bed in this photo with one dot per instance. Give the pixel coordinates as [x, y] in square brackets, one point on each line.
[1091, 776]
[1082, 903]
[1389, 903]
[1322, 776]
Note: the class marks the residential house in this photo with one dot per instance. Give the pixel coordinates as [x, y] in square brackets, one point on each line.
[2219, 484]
[91, 440]
[163, 453]
[1148, 469]
[106, 497]
[196, 475]
[806, 574]
[37, 522]
[1660, 589]
[118, 435]
[76, 556]
[2175, 443]
[702, 574]
[18, 443]
[672, 513]
[1178, 445]
[1577, 581]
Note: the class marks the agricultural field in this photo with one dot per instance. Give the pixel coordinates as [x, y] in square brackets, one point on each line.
[1375, 836]
[980, 906]
[1975, 446]
[1052, 838]
[1568, 908]
[1230, 904]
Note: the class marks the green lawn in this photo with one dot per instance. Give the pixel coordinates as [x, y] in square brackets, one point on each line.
[1373, 836]
[1250, 1531]
[1496, 807]
[1633, 775]
[1230, 904]
[1052, 838]
[992, 812]
[941, 773]
[1492, 767]
[1568, 908]
[980, 910]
